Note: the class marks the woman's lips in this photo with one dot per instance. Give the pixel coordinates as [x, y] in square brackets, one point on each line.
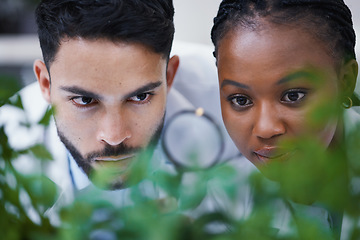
[270, 153]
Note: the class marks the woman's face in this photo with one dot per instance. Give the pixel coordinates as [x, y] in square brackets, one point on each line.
[267, 87]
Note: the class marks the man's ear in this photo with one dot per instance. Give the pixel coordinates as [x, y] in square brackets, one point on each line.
[348, 78]
[172, 68]
[43, 78]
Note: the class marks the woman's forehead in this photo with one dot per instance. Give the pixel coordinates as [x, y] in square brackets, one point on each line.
[273, 43]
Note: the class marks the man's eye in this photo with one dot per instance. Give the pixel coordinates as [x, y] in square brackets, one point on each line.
[83, 101]
[141, 98]
[293, 96]
[240, 101]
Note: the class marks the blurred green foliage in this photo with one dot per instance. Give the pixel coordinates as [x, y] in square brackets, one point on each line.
[312, 176]
[24, 198]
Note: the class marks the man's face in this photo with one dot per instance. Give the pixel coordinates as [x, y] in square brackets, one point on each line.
[109, 101]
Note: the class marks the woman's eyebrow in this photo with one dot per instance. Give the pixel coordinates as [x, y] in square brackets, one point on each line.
[233, 83]
[296, 75]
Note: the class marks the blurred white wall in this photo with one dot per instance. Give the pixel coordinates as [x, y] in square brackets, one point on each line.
[354, 6]
[194, 19]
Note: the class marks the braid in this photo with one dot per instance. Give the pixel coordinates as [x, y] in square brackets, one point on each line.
[330, 20]
[339, 19]
[225, 8]
[228, 10]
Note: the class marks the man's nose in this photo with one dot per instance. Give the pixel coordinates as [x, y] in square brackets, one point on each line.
[269, 122]
[113, 129]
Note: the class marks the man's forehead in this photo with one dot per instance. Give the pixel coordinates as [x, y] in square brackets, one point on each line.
[103, 54]
[79, 42]
[102, 60]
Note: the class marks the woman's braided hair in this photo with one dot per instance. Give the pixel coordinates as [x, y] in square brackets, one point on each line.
[330, 20]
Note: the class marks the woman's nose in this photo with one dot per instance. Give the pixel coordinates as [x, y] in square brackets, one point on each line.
[269, 123]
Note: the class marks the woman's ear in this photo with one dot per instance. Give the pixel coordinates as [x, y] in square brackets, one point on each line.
[348, 77]
[43, 77]
[172, 68]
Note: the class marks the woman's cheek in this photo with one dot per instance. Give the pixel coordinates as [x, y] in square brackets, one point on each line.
[235, 130]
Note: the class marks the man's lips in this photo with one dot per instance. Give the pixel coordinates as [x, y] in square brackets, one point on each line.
[114, 158]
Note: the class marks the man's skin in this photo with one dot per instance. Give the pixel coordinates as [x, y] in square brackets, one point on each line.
[109, 99]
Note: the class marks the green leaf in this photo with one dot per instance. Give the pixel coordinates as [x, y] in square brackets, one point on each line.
[193, 193]
[8, 87]
[45, 120]
[40, 152]
[11, 195]
[16, 101]
[5, 150]
[311, 228]
[168, 182]
[41, 190]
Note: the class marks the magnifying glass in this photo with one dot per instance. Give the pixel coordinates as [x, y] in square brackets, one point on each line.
[192, 140]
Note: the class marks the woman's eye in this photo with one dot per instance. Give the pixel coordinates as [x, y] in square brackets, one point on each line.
[83, 101]
[293, 96]
[141, 98]
[240, 101]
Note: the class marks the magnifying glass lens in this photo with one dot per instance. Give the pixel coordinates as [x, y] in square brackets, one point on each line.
[193, 141]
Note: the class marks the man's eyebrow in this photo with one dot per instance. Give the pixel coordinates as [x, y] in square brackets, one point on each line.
[296, 75]
[81, 92]
[146, 88]
[234, 83]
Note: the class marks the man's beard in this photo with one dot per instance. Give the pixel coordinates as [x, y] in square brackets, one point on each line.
[84, 162]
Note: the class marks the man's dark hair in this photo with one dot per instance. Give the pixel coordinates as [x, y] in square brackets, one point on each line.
[148, 22]
[329, 20]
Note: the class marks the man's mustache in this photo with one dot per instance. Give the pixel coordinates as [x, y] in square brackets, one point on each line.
[111, 151]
